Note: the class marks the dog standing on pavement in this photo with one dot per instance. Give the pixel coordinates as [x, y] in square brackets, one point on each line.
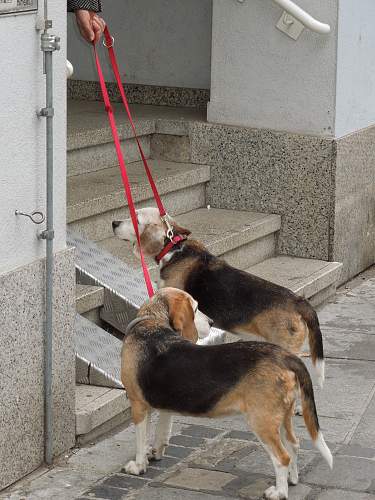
[238, 302]
[163, 368]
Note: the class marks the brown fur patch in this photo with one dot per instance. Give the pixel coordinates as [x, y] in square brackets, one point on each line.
[278, 326]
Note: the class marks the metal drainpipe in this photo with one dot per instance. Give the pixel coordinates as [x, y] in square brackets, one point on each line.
[49, 43]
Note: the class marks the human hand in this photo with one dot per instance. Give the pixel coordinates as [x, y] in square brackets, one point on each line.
[90, 25]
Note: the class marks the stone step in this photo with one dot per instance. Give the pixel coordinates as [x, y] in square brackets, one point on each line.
[96, 198]
[315, 280]
[99, 410]
[102, 156]
[242, 238]
[87, 122]
[89, 300]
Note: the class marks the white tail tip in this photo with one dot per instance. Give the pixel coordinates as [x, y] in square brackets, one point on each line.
[321, 445]
[320, 371]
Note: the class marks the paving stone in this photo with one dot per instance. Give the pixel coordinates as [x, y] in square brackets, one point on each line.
[241, 435]
[348, 473]
[201, 431]
[164, 463]
[257, 488]
[365, 432]
[106, 493]
[124, 481]
[349, 313]
[354, 450]
[200, 479]
[344, 343]
[344, 495]
[178, 451]
[190, 441]
[152, 473]
[220, 450]
[167, 493]
[258, 461]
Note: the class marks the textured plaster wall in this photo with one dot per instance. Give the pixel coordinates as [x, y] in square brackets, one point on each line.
[158, 42]
[22, 136]
[355, 99]
[262, 78]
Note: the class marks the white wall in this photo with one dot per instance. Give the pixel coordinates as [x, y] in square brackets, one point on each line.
[262, 78]
[355, 100]
[22, 136]
[158, 42]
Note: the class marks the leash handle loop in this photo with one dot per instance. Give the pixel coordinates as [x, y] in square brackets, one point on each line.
[124, 174]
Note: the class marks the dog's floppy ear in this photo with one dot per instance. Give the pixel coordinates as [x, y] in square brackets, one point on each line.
[180, 230]
[181, 316]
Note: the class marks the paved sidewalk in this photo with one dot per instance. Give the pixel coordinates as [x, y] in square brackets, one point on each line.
[220, 459]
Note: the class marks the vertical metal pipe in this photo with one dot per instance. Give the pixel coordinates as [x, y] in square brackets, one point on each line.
[48, 405]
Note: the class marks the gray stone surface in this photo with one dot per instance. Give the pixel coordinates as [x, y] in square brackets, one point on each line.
[273, 172]
[98, 157]
[240, 237]
[98, 192]
[176, 494]
[171, 147]
[303, 276]
[348, 473]
[21, 361]
[344, 495]
[354, 221]
[200, 479]
[99, 227]
[141, 94]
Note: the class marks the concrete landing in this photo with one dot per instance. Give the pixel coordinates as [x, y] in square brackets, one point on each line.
[221, 459]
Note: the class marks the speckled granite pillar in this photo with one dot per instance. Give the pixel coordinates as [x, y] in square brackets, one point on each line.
[275, 172]
[323, 188]
[21, 365]
[353, 239]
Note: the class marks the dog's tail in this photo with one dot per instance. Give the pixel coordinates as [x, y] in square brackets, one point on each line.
[310, 415]
[315, 338]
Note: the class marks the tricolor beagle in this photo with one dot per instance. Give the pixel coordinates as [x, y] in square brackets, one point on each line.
[163, 368]
[237, 301]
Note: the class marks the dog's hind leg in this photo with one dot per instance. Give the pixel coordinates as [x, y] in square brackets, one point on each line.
[267, 431]
[162, 434]
[291, 443]
[140, 414]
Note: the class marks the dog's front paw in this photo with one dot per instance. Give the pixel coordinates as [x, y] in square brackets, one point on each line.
[135, 469]
[272, 493]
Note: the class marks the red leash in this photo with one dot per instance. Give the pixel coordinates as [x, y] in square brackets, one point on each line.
[124, 174]
[109, 44]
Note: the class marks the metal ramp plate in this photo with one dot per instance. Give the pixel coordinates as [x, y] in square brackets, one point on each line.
[98, 352]
[98, 355]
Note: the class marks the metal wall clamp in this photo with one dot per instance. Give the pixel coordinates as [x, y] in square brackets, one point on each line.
[46, 235]
[49, 43]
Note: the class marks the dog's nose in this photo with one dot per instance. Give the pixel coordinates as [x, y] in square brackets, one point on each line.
[210, 322]
[115, 224]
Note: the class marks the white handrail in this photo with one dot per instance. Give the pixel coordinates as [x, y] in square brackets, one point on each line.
[303, 17]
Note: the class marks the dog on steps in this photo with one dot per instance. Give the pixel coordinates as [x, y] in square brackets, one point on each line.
[163, 368]
[237, 301]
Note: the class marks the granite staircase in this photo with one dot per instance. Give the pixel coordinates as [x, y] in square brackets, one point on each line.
[247, 240]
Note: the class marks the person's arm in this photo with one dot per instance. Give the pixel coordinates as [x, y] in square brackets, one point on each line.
[90, 25]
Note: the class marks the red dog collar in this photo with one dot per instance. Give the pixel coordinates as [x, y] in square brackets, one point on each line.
[168, 247]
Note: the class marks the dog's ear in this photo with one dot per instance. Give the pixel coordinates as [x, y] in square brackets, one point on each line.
[180, 230]
[181, 316]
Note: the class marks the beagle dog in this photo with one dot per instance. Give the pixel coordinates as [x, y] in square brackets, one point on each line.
[163, 368]
[238, 302]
